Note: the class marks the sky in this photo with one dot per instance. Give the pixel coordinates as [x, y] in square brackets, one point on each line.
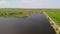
[30, 4]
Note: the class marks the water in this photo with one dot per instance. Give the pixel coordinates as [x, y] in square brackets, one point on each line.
[34, 24]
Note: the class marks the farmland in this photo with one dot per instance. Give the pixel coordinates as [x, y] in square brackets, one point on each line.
[55, 15]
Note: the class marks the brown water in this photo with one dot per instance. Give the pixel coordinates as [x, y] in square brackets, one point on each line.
[34, 24]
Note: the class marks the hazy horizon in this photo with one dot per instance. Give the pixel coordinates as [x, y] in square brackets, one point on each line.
[30, 4]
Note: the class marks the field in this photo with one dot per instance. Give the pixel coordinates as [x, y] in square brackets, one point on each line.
[55, 15]
[17, 13]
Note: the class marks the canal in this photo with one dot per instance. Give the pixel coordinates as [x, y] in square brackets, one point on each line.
[34, 24]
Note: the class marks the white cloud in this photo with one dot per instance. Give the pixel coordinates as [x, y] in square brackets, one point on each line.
[4, 3]
[29, 4]
[28, 1]
[25, 0]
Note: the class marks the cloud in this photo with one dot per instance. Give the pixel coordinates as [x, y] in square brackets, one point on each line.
[29, 4]
[23, 4]
[28, 1]
[33, 3]
[25, 0]
[4, 3]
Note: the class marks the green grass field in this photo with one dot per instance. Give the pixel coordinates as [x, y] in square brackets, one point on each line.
[55, 15]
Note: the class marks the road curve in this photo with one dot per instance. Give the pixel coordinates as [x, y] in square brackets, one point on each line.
[34, 24]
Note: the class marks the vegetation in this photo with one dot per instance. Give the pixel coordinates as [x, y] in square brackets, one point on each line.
[55, 15]
[22, 13]
[17, 13]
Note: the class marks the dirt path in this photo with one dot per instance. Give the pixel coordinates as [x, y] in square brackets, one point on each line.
[53, 23]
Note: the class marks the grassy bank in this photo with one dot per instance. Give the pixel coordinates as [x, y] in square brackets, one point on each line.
[22, 13]
[17, 13]
[55, 15]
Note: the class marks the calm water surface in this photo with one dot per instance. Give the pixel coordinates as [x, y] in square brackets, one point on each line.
[34, 24]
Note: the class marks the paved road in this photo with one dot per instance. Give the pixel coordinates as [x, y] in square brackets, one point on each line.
[34, 24]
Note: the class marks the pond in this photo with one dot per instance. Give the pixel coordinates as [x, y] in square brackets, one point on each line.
[34, 24]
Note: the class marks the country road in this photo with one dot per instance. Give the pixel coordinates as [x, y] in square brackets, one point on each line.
[34, 24]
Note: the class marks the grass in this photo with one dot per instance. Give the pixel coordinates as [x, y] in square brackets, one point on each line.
[55, 15]
[16, 13]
